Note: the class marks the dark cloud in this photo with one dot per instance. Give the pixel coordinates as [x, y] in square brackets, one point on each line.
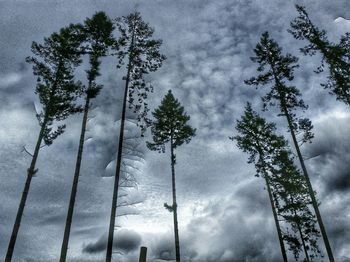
[330, 149]
[127, 241]
[224, 213]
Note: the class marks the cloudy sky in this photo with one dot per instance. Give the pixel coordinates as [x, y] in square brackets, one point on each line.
[224, 213]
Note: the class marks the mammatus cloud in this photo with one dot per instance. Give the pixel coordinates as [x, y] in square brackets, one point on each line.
[224, 214]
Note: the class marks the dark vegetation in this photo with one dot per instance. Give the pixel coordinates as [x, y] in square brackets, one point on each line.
[129, 39]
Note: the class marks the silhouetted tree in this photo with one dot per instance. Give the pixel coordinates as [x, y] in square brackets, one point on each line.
[337, 56]
[277, 69]
[287, 190]
[170, 125]
[291, 190]
[53, 64]
[97, 33]
[142, 52]
[257, 138]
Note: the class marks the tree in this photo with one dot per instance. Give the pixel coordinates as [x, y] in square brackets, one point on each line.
[278, 69]
[170, 125]
[136, 45]
[257, 138]
[291, 189]
[285, 186]
[335, 55]
[53, 64]
[97, 34]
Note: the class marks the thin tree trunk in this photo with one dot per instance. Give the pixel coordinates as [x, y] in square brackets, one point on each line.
[303, 167]
[119, 160]
[279, 232]
[30, 172]
[311, 191]
[273, 207]
[73, 194]
[302, 240]
[116, 180]
[176, 229]
[300, 232]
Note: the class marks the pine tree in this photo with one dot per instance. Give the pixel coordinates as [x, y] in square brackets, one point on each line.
[97, 33]
[277, 69]
[257, 138]
[53, 64]
[142, 52]
[337, 56]
[286, 187]
[170, 126]
[291, 189]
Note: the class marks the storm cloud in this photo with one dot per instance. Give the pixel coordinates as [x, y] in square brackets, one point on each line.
[224, 213]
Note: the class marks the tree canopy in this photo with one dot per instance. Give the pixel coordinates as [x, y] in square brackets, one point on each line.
[170, 124]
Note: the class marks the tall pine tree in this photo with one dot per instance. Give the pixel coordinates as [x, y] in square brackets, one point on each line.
[53, 64]
[337, 56]
[286, 187]
[143, 56]
[170, 126]
[97, 33]
[291, 190]
[277, 69]
[256, 138]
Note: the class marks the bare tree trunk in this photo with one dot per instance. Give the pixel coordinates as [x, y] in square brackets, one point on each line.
[279, 232]
[303, 167]
[116, 181]
[302, 240]
[308, 182]
[73, 194]
[300, 232]
[176, 229]
[119, 159]
[31, 171]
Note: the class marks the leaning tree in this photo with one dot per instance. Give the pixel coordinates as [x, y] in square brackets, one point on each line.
[337, 56]
[141, 51]
[277, 70]
[286, 187]
[53, 64]
[170, 126]
[294, 206]
[256, 137]
[97, 34]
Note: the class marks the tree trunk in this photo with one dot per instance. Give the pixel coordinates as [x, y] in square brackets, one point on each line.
[300, 231]
[273, 207]
[73, 194]
[119, 160]
[303, 167]
[176, 229]
[116, 181]
[279, 232]
[31, 171]
[302, 240]
[308, 182]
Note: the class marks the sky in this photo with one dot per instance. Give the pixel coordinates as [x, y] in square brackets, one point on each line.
[223, 209]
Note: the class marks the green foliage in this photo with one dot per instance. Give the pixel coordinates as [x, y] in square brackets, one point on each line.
[337, 56]
[170, 125]
[276, 69]
[271, 156]
[53, 64]
[294, 201]
[136, 44]
[258, 139]
[98, 32]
